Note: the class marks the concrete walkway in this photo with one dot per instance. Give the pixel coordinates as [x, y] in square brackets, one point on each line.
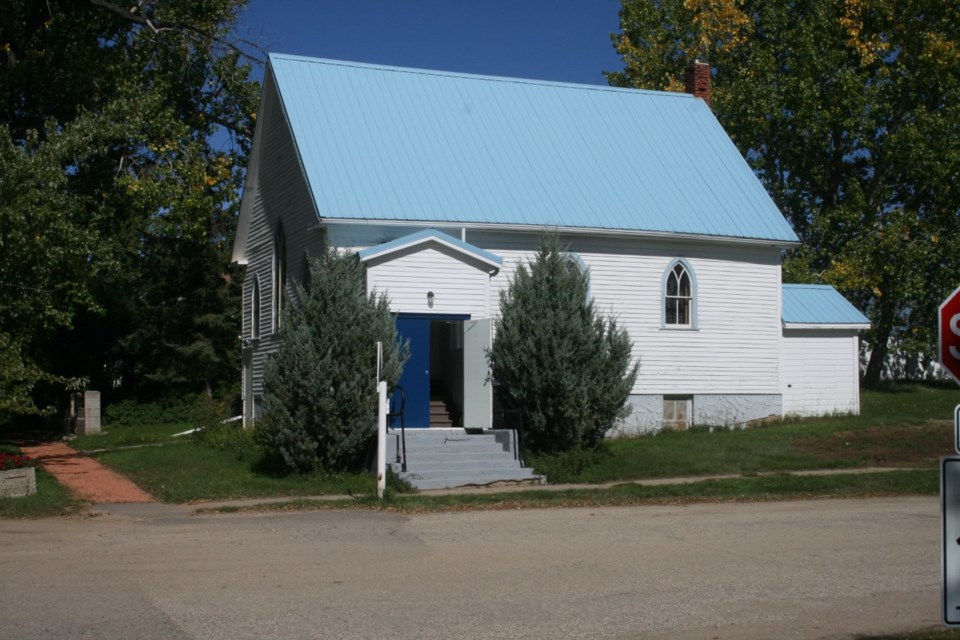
[86, 478]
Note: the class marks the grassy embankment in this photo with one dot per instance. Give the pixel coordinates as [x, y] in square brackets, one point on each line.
[907, 427]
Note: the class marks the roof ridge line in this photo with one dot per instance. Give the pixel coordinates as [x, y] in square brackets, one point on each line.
[477, 76]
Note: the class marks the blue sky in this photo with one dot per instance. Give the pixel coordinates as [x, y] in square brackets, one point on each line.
[561, 40]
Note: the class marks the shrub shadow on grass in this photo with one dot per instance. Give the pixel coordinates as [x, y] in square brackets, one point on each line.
[905, 386]
[271, 465]
[570, 466]
[28, 430]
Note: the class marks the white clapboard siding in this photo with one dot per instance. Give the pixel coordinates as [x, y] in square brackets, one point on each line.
[820, 372]
[280, 193]
[735, 349]
[459, 285]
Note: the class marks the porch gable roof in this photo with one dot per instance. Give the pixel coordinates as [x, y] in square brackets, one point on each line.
[427, 236]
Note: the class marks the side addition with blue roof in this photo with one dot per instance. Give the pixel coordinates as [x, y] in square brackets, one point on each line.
[819, 305]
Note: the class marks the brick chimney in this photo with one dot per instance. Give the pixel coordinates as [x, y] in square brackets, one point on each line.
[696, 80]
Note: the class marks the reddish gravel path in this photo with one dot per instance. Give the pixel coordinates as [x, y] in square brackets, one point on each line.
[84, 476]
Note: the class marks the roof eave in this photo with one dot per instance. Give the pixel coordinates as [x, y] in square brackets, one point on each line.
[432, 235]
[826, 325]
[238, 255]
[590, 231]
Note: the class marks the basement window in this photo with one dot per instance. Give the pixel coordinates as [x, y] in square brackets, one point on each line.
[677, 412]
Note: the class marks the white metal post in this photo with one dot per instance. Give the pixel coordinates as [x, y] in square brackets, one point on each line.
[381, 438]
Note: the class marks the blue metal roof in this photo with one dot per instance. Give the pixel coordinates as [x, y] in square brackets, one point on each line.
[389, 143]
[428, 235]
[819, 304]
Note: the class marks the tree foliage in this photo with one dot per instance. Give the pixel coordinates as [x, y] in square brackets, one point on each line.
[320, 389]
[560, 366]
[849, 112]
[125, 129]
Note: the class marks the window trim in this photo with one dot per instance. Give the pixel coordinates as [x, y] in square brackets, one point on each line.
[694, 324]
[279, 276]
[675, 399]
[256, 310]
[305, 278]
[581, 264]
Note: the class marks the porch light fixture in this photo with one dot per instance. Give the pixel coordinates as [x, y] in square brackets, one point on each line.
[430, 299]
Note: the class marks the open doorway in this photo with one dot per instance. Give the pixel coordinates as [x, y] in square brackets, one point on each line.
[446, 373]
[432, 379]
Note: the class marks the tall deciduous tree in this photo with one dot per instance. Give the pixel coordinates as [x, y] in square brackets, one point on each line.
[561, 367]
[849, 111]
[125, 130]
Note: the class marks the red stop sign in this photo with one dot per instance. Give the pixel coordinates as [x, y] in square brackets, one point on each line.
[948, 320]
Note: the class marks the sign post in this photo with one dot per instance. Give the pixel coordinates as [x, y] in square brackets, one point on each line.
[950, 536]
[956, 428]
[381, 427]
[381, 438]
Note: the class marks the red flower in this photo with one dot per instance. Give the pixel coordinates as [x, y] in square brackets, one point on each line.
[14, 461]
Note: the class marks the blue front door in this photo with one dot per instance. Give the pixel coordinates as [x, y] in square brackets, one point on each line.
[415, 378]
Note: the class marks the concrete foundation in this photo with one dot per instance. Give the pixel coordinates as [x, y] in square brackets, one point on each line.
[709, 410]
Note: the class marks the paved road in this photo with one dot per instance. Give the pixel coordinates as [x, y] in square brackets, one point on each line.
[817, 569]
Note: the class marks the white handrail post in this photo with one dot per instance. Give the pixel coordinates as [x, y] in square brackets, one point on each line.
[381, 438]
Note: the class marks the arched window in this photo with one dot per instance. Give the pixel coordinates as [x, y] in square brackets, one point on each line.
[584, 270]
[255, 309]
[279, 274]
[679, 296]
[305, 277]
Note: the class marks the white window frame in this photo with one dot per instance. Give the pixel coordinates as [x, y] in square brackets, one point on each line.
[674, 406]
[691, 299]
[581, 265]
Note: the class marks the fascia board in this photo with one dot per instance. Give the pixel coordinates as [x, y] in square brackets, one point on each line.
[376, 253]
[585, 231]
[824, 326]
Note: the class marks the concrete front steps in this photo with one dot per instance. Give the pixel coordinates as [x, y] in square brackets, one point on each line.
[446, 458]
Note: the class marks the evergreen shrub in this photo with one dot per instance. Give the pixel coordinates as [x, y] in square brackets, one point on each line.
[320, 395]
[560, 367]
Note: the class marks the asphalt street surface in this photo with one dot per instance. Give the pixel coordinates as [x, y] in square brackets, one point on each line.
[812, 569]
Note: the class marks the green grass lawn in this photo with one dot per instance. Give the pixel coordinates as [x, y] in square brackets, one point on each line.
[893, 483]
[112, 438]
[50, 500]
[899, 425]
[907, 426]
[187, 471]
[183, 469]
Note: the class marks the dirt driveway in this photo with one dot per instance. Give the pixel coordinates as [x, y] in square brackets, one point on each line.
[816, 569]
